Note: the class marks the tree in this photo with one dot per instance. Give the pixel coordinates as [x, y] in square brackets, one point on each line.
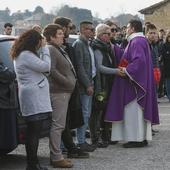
[38, 9]
[125, 18]
[5, 15]
[17, 16]
[76, 14]
[27, 13]
[46, 19]
[8, 11]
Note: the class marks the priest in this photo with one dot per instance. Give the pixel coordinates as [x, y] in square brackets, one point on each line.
[132, 106]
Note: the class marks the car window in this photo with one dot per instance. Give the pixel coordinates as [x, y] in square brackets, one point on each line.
[5, 47]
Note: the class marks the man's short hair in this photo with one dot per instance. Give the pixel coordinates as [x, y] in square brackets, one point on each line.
[136, 24]
[85, 23]
[110, 23]
[63, 21]
[8, 25]
[150, 27]
[161, 30]
[147, 23]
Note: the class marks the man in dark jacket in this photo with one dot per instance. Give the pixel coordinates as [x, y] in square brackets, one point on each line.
[86, 73]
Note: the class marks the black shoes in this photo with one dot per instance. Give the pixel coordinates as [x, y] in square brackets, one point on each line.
[135, 144]
[77, 153]
[87, 147]
[36, 167]
[103, 144]
[113, 142]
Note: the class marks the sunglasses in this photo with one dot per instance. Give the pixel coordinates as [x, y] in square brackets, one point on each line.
[113, 30]
[108, 33]
[91, 29]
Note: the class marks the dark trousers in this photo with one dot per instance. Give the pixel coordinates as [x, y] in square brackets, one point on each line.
[99, 129]
[105, 129]
[32, 141]
[161, 87]
[67, 136]
[68, 139]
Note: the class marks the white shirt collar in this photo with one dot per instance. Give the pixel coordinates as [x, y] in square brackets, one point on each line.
[133, 35]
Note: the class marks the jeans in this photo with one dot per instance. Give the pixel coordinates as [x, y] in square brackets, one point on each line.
[86, 102]
[167, 84]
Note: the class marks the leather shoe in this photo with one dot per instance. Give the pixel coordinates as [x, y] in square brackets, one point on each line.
[64, 163]
[36, 167]
[113, 142]
[103, 144]
[77, 153]
[135, 144]
[87, 147]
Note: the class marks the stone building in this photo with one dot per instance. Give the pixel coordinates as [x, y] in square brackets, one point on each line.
[158, 14]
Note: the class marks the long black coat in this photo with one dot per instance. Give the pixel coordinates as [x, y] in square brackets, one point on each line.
[74, 114]
[166, 59]
[8, 110]
[8, 92]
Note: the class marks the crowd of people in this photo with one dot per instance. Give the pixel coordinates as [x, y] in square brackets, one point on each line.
[105, 81]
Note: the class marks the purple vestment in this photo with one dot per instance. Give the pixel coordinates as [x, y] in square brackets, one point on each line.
[139, 84]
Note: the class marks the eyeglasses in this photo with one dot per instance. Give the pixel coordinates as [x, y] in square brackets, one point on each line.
[108, 33]
[113, 30]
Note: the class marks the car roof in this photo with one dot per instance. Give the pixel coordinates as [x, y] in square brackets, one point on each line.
[72, 38]
[7, 37]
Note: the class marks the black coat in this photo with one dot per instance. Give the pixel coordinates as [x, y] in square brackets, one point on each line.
[74, 114]
[8, 110]
[8, 91]
[166, 59]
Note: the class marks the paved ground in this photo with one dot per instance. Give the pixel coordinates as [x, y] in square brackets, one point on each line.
[154, 157]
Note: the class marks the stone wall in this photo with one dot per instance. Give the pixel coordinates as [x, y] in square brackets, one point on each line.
[160, 17]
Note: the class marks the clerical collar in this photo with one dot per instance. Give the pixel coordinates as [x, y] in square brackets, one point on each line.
[136, 34]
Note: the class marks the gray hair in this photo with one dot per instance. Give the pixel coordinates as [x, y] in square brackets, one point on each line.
[101, 28]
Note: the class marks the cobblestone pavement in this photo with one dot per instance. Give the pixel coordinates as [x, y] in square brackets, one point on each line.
[154, 157]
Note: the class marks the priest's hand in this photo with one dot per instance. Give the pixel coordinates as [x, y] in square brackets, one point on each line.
[121, 72]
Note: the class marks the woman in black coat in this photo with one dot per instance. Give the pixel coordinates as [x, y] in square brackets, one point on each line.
[8, 110]
[166, 63]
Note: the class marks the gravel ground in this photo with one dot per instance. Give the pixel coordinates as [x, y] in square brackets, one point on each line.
[154, 157]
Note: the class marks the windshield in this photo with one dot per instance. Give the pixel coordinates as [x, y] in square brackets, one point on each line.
[5, 47]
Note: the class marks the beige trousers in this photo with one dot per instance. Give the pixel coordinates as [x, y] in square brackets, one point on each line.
[59, 105]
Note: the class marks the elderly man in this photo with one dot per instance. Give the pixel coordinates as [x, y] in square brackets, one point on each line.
[105, 57]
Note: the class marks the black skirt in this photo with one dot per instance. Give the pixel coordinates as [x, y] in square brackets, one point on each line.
[8, 129]
[37, 117]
